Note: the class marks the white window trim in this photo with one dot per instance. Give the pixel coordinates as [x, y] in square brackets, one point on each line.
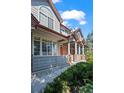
[33, 46]
[52, 48]
[39, 12]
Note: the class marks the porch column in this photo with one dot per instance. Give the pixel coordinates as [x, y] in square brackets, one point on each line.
[83, 49]
[75, 56]
[68, 48]
[76, 48]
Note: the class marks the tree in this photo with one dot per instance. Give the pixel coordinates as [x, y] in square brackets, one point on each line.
[89, 48]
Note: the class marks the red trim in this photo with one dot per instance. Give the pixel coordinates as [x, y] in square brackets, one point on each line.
[65, 27]
[52, 31]
[48, 29]
[33, 18]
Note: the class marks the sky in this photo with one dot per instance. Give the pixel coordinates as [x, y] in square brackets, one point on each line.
[76, 14]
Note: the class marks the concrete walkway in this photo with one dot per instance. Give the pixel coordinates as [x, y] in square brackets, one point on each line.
[39, 80]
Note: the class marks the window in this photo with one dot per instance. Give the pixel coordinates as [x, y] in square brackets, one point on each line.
[46, 21]
[62, 30]
[37, 46]
[46, 47]
[81, 52]
[49, 46]
[50, 23]
[43, 19]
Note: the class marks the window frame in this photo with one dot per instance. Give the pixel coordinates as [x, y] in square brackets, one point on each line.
[47, 20]
[49, 48]
[34, 48]
[49, 25]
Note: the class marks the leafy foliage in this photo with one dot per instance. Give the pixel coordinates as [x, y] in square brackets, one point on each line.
[76, 79]
[89, 49]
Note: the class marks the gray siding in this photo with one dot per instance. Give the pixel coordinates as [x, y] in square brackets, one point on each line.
[46, 62]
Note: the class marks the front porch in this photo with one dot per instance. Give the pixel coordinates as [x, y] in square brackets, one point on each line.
[51, 50]
[74, 51]
[46, 50]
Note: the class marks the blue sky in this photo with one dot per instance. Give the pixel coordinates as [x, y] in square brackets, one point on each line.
[76, 13]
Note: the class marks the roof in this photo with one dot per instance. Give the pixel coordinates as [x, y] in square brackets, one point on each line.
[79, 30]
[34, 21]
[74, 34]
[55, 11]
[50, 30]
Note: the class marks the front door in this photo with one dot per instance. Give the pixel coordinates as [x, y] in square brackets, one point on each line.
[64, 49]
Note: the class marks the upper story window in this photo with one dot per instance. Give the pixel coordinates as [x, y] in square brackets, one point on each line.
[46, 17]
[61, 30]
[65, 32]
[43, 19]
[50, 23]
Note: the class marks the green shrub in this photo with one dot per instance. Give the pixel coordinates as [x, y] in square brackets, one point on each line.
[77, 78]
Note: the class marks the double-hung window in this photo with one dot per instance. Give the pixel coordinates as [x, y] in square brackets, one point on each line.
[50, 23]
[43, 19]
[46, 21]
[46, 47]
[36, 45]
[49, 46]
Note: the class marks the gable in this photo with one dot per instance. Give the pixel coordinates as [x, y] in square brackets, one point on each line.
[48, 4]
[55, 11]
[78, 35]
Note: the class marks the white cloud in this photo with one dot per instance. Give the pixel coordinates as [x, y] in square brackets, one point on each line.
[74, 14]
[82, 22]
[56, 1]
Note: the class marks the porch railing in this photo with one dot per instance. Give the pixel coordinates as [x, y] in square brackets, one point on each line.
[47, 62]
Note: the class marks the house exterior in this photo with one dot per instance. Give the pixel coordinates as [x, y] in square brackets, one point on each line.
[53, 44]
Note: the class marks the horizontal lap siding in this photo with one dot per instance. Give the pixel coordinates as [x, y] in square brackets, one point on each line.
[34, 11]
[42, 63]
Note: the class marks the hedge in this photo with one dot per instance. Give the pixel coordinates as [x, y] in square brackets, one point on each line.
[76, 79]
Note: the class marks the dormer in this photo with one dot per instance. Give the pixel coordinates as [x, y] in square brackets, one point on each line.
[46, 14]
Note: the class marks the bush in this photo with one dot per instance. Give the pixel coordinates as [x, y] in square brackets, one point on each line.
[76, 79]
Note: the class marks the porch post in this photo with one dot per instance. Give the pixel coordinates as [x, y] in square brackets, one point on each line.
[75, 56]
[75, 48]
[83, 49]
[68, 47]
